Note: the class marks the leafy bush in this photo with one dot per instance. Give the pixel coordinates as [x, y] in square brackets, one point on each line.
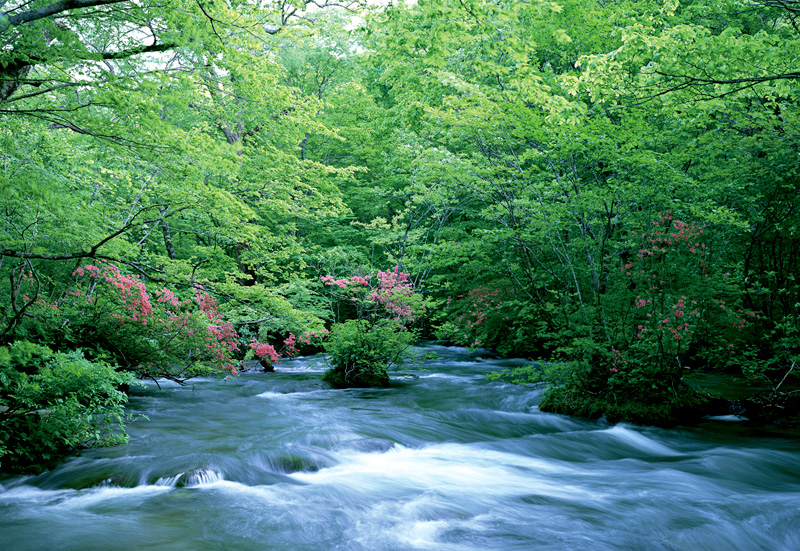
[360, 354]
[51, 403]
[476, 318]
[493, 318]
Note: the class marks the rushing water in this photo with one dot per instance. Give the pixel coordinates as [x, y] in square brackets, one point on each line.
[442, 460]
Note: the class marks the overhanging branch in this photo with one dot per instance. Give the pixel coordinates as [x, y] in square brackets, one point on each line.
[55, 8]
[136, 51]
[688, 80]
[93, 250]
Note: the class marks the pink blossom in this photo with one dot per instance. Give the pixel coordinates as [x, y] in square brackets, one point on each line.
[264, 351]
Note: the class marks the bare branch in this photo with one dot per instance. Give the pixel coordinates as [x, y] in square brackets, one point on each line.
[213, 23]
[45, 91]
[689, 80]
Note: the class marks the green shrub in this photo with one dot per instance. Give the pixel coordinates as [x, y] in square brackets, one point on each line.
[51, 403]
[360, 353]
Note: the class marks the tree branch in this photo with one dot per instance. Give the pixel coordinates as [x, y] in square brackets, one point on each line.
[135, 51]
[695, 81]
[91, 253]
[57, 7]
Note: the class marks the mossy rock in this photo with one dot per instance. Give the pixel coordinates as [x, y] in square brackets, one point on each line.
[359, 376]
[660, 410]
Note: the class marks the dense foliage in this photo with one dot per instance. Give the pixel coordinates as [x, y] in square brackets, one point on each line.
[608, 187]
[53, 402]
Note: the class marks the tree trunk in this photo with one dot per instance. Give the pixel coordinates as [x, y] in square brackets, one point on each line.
[11, 79]
[167, 234]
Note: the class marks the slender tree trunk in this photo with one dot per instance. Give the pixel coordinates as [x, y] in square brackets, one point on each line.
[167, 234]
[303, 147]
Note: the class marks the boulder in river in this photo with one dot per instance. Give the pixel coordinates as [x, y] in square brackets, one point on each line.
[255, 366]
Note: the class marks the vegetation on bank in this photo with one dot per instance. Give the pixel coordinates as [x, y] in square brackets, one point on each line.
[55, 402]
[610, 188]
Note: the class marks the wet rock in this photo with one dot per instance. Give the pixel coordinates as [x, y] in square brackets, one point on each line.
[255, 366]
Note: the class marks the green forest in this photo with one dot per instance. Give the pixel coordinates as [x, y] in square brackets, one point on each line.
[606, 188]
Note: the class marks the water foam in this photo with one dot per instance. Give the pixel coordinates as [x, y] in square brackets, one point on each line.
[453, 469]
[639, 441]
[727, 418]
[204, 477]
[270, 394]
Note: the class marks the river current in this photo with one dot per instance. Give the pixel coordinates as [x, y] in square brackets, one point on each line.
[443, 460]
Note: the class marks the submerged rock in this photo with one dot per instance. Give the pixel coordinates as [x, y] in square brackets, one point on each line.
[252, 366]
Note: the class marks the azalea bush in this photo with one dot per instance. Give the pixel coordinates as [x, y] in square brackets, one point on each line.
[680, 305]
[671, 308]
[265, 353]
[152, 332]
[387, 296]
[363, 349]
[155, 334]
[309, 342]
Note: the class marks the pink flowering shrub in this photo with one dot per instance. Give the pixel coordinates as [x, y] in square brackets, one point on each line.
[290, 344]
[309, 342]
[679, 308]
[389, 296]
[153, 332]
[361, 350]
[265, 353]
[669, 308]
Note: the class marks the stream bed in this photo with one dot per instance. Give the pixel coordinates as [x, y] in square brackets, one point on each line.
[443, 460]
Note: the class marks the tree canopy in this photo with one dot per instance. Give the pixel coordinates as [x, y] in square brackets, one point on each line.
[607, 186]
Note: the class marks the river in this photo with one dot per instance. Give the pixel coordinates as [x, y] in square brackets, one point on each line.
[443, 460]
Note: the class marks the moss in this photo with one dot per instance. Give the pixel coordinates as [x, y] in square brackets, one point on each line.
[685, 405]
